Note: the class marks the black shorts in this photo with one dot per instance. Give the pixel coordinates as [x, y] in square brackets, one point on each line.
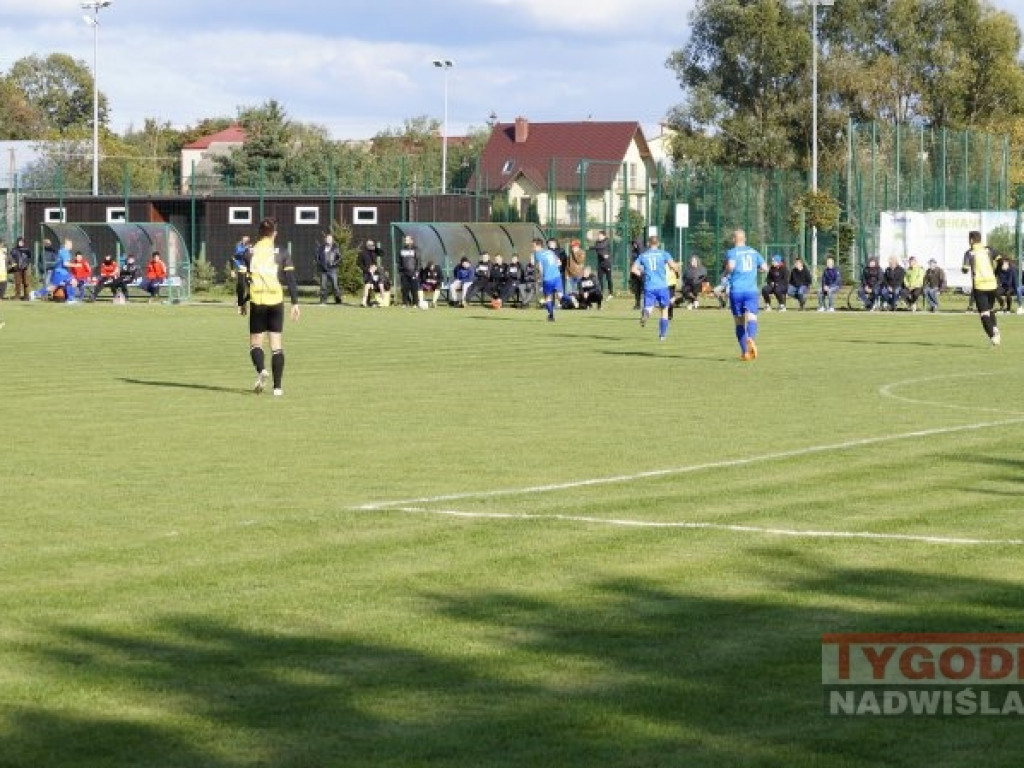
[984, 300]
[266, 318]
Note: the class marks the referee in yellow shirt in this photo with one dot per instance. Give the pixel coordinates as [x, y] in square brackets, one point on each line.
[980, 261]
[267, 266]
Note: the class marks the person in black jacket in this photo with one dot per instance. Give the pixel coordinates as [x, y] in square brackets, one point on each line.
[328, 259]
[481, 285]
[892, 284]
[527, 288]
[603, 250]
[799, 282]
[694, 278]
[430, 279]
[776, 283]
[870, 288]
[21, 266]
[126, 275]
[369, 255]
[1006, 284]
[409, 272]
[934, 285]
[513, 277]
[588, 291]
[563, 258]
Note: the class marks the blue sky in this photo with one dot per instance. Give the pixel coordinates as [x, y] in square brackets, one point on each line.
[364, 65]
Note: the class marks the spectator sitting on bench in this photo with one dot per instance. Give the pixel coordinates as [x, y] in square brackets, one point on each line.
[934, 285]
[1006, 285]
[513, 277]
[430, 282]
[481, 285]
[776, 283]
[694, 278]
[527, 287]
[799, 282]
[721, 291]
[913, 284]
[462, 278]
[156, 274]
[499, 278]
[81, 270]
[126, 275]
[870, 288]
[588, 291]
[831, 282]
[107, 277]
[892, 284]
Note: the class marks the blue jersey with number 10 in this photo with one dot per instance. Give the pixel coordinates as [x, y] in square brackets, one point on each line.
[654, 262]
[745, 264]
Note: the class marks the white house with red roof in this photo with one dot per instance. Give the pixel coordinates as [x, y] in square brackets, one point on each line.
[198, 157]
[572, 172]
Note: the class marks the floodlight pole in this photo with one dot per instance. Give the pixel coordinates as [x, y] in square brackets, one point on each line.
[814, 120]
[444, 65]
[94, 22]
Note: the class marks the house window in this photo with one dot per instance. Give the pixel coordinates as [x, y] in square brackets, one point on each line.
[633, 175]
[54, 215]
[364, 215]
[240, 215]
[508, 166]
[117, 213]
[307, 214]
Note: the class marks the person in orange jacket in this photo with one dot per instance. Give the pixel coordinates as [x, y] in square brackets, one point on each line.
[156, 273]
[108, 273]
[81, 271]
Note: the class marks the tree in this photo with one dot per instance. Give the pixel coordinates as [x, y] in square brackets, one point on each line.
[743, 72]
[19, 120]
[262, 159]
[59, 88]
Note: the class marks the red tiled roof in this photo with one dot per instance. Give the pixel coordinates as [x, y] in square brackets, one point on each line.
[233, 134]
[553, 151]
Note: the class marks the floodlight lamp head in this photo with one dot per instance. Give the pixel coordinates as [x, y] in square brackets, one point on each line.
[444, 63]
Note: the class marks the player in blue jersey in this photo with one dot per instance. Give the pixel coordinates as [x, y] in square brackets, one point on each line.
[742, 263]
[550, 269]
[653, 266]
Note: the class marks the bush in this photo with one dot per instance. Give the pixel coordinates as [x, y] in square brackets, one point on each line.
[204, 276]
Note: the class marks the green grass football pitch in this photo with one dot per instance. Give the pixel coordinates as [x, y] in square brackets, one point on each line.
[474, 538]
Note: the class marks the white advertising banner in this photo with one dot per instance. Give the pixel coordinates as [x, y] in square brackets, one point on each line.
[939, 235]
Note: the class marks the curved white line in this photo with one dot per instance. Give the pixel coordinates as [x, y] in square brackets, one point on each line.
[886, 390]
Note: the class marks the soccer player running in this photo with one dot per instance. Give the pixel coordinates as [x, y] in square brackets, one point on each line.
[980, 260]
[742, 263]
[265, 296]
[652, 266]
[550, 276]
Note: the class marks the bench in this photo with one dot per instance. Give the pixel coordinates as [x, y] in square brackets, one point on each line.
[171, 288]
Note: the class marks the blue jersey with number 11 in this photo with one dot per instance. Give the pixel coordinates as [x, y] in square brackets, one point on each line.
[654, 262]
[745, 264]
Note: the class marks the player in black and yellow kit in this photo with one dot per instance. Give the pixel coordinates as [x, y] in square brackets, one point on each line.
[265, 297]
[980, 261]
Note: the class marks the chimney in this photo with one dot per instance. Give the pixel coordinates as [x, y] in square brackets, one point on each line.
[522, 130]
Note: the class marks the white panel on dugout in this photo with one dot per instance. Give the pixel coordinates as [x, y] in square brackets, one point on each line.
[939, 235]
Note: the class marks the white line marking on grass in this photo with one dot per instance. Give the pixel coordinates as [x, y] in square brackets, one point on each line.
[755, 529]
[887, 390]
[723, 464]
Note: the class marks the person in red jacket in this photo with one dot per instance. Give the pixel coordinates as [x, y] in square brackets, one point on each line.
[156, 273]
[81, 271]
[108, 274]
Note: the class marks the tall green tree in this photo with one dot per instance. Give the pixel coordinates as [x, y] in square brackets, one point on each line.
[59, 88]
[263, 158]
[743, 74]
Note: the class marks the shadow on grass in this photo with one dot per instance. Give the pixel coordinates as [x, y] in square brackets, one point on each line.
[618, 673]
[908, 343]
[664, 355]
[186, 385]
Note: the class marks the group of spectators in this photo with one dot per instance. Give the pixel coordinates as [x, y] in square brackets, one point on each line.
[491, 280]
[69, 277]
